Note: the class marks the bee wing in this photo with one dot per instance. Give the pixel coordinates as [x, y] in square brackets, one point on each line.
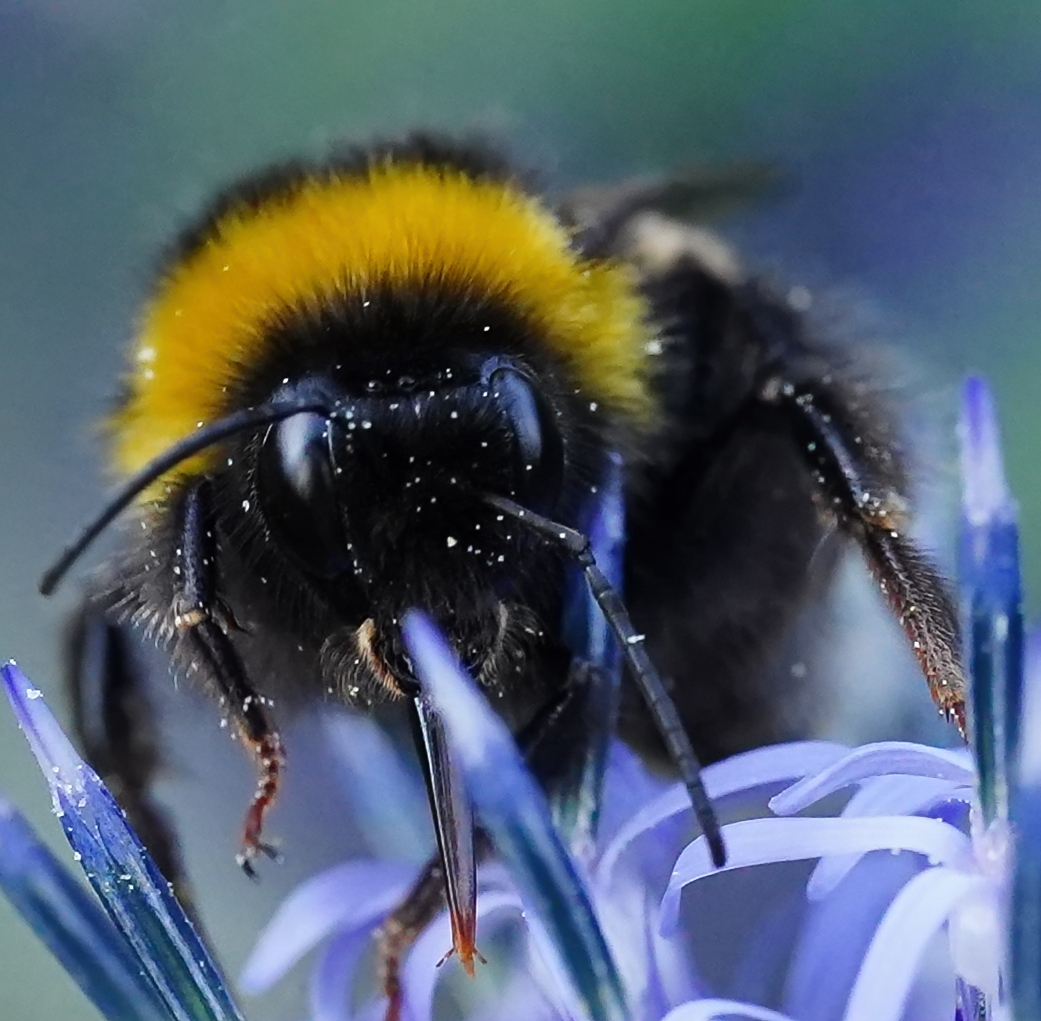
[698, 193]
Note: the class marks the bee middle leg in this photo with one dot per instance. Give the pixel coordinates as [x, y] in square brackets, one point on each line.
[202, 623]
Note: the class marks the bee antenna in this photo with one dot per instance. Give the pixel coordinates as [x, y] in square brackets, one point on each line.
[655, 694]
[204, 437]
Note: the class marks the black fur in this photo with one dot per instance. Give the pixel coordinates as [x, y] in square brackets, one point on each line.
[729, 508]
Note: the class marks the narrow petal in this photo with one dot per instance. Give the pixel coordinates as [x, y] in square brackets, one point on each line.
[73, 926]
[764, 841]
[991, 599]
[393, 813]
[591, 641]
[835, 933]
[350, 898]
[738, 774]
[873, 760]
[514, 810]
[333, 976]
[135, 894]
[985, 494]
[1030, 738]
[710, 1010]
[885, 795]
[1025, 894]
[891, 963]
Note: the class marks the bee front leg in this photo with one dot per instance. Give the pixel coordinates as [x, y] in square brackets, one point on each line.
[202, 626]
[552, 748]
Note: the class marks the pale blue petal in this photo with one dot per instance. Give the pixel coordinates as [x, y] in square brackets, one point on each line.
[885, 795]
[823, 968]
[520, 1001]
[628, 786]
[333, 976]
[892, 960]
[738, 774]
[353, 897]
[392, 813]
[764, 841]
[710, 1010]
[874, 760]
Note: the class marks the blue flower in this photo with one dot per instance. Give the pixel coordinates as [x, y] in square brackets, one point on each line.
[630, 920]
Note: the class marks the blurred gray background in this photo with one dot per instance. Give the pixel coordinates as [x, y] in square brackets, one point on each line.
[910, 129]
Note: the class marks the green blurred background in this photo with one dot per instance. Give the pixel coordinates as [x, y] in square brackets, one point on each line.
[911, 130]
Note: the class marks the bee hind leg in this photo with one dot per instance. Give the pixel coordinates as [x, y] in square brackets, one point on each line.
[860, 483]
[114, 721]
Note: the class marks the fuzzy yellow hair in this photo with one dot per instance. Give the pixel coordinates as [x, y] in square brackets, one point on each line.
[399, 225]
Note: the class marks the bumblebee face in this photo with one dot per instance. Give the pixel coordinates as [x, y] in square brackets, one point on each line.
[383, 499]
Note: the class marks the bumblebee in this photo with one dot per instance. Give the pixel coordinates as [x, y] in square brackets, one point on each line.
[398, 379]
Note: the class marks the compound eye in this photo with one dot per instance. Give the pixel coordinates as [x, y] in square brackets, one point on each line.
[298, 495]
[539, 448]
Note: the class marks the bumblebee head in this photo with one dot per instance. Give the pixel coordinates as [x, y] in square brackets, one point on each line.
[396, 336]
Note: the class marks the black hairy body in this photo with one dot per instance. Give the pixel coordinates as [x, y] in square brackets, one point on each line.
[280, 570]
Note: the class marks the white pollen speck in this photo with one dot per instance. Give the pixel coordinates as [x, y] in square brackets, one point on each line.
[33, 693]
[487, 329]
[366, 304]
[451, 541]
[653, 347]
[593, 405]
[635, 639]
[245, 505]
[230, 462]
[366, 424]
[454, 414]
